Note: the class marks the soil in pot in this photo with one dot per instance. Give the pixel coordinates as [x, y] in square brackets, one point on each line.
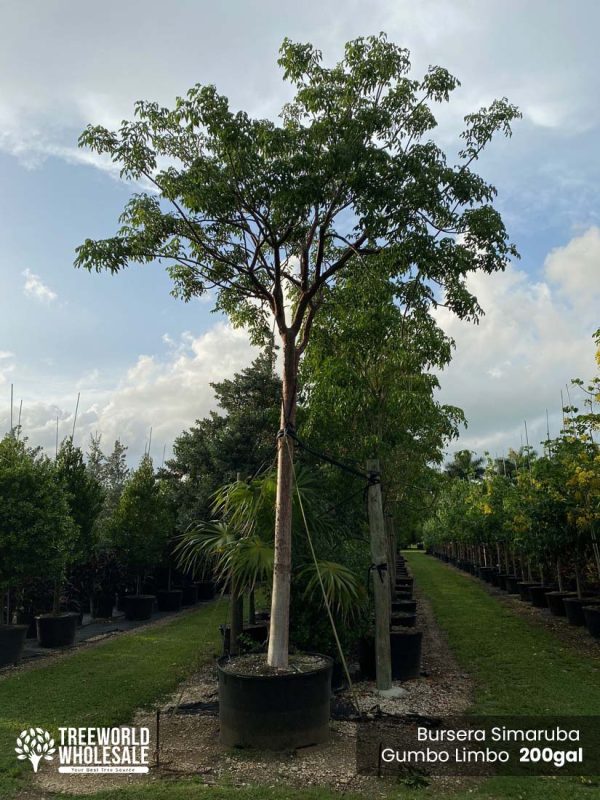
[206, 590]
[555, 602]
[138, 606]
[56, 630]
[169, 599]
[103, 606]
[592, 620]
[189, 595]
[274, 709]
[574, 608]
[12, 642]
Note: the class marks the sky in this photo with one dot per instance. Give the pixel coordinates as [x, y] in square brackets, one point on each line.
[141, 359]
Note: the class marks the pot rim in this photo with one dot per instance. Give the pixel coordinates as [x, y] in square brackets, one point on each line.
[287, 675]
[62, 615]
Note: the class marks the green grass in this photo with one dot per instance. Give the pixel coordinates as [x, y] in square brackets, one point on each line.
[103, 685]
[519, 666]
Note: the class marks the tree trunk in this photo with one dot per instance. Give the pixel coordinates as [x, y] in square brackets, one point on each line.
[237, 618]
[559, 575]
[280, 599]
[251, 608]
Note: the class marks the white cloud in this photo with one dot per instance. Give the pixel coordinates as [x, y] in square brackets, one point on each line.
[534, 337]
[35, 287]
[167, 392]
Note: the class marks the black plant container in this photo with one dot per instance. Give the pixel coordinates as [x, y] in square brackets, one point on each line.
[274, 712]
[138, 607]
[537, 596]
[56, 630]
[404, 606]
[555, 602]
[206, 590]
[592, 620]
[169, 599]
[574, 608]
[104, 605]
[12, 642]
[405, 647]
[189, 595]
[403, 620]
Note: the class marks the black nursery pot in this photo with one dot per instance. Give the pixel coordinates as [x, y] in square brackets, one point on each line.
[274, 712]
[555, 601]
[138, 606]
[592, 620]
[403, 620]
[56, 630]
[485, 573]
[402, 595]
[574, 608]
[405, 647]
[524, 587]
[537, 596]
[169, 599]
[12, 642]
[103, 605]
[189, 595]
[404, 606]
[512, 582]
[206, 590]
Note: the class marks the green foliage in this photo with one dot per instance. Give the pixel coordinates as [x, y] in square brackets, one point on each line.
[141, 523]
[36, 529]
[84, 495]
[238, 439]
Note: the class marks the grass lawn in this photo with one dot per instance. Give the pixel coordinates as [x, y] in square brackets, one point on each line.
[495, 645]
[103, 685]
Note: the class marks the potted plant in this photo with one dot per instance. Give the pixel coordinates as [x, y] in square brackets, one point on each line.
[138, 531]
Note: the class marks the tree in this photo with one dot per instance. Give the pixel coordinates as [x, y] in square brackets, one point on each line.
[465, 466]
[141, 522]
[238, 439]
[270, 215]
[36, 530]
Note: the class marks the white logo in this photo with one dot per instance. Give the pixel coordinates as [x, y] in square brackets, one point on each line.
[35, 744]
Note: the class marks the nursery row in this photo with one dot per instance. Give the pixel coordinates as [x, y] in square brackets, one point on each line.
[578, 609]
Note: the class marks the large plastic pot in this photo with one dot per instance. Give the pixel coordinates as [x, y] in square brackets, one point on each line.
[169, 599]
[403, 606]
[524, 587]
[138, 606]
[12, 642]
[206, 590]
[556, 604]
[512, 582]
[537, 596]
[405, 648]
[189, 595]
[574, 608]
[592, 620]
[274, 712]
[103, 605]
[485, 573]
[56, 630]
[403, 620]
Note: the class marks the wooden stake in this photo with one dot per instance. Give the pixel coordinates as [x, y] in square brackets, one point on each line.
[381, 580]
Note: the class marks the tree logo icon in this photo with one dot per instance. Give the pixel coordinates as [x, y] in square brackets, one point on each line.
[35, 744]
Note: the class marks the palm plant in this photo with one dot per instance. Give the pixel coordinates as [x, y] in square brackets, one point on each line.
[237, 546]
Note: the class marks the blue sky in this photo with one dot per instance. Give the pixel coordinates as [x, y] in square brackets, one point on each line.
[141, 358]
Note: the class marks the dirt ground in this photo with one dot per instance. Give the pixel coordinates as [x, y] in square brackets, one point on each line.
[189, 742]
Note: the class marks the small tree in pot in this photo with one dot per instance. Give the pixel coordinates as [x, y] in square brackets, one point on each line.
[36, 530]
[139, 528]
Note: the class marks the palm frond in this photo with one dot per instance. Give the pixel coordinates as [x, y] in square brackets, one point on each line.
[345, 593]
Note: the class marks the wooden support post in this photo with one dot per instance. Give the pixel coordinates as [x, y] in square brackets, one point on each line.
[381, 580]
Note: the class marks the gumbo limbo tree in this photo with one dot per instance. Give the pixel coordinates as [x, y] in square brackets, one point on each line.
[267, 215]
